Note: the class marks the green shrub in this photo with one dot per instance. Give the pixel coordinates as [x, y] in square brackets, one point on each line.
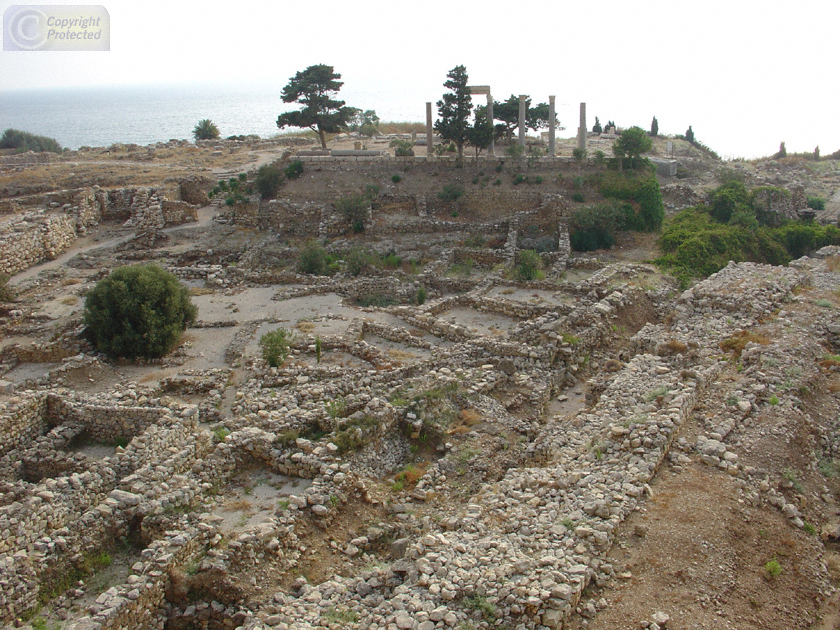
[529, 265]
[396, 178]
[727, 198]
[451, 192]
[269, 180]
[293, 170]
[579, 154]
[519, 178]
[312, 259]
[354, 208]
[319, 348]
[578, 197]
[816, 203]
[274, 346]
[594, 227]
[773, 567]
[403, 148]
[421, 296]
[6, 292]
[641, 189]
[138, 311]
[22, 141]
[475, 241]
[357, 259]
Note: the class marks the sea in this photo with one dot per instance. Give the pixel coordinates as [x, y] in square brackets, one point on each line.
[102, 116]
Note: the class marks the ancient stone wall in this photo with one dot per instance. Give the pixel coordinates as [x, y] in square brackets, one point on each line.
[22, 419]
[33, 238]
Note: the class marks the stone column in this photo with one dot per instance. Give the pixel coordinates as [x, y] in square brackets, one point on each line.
[429, 140]
[551, 130]
[522, 104]
[491, 150]
[582, 128]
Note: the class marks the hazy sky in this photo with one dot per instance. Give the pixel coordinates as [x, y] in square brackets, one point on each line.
[745, 74]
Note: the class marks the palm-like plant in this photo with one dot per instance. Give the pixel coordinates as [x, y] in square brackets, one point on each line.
[206, 130]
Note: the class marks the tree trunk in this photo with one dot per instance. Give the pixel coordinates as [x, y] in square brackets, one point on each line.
[323, 138]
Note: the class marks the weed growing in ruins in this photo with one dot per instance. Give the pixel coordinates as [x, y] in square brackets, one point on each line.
[421, 296]
[824, 303]
[275, 346]
[318, 349]
[336, 408]
[773, 568]
[312, 259]
[396, 178]
[498, 182]
[268, 181]
[479, 603]
[219, 434]
[6, 292]
[293, 170]
[793, 477]
[773, 400]
[462, 269]
[737, 342]
[656, 393]
[829, 468]
[569, 338]
[334, 615]
[451, 192]
[529, 267]
[810, 529]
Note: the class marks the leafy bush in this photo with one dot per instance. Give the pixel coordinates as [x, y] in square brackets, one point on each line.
[293, 170]
[23, 141]
[138, 311]
[6, 292]
[205, 130]
[642, 191]
[816, 203]
[354, 208]
[421, 296]
[529, 265]
[357, 259]
[578, 197]
[728, 197]
[579, 154]
[694, 244]
[312, 259]
[518, 179]
[594, 227]
[274, 346]
[396, 178]
[269, 180]
[451, 192]
[402, 148]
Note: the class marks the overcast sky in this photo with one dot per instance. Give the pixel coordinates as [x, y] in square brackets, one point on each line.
[745, 74]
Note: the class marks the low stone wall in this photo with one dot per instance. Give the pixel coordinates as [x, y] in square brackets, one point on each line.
[22, 419]
[34, 238]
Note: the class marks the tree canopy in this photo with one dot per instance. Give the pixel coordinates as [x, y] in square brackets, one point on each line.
[631, 144]
[314, 89]
[480, 133]
[206, 129]
[454, 109]
[23, 141]
[536, 117]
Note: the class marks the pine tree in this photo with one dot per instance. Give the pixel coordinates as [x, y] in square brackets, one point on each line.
[654, 127]
[454, 110]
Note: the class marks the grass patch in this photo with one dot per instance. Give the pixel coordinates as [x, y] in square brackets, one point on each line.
[737, 342]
